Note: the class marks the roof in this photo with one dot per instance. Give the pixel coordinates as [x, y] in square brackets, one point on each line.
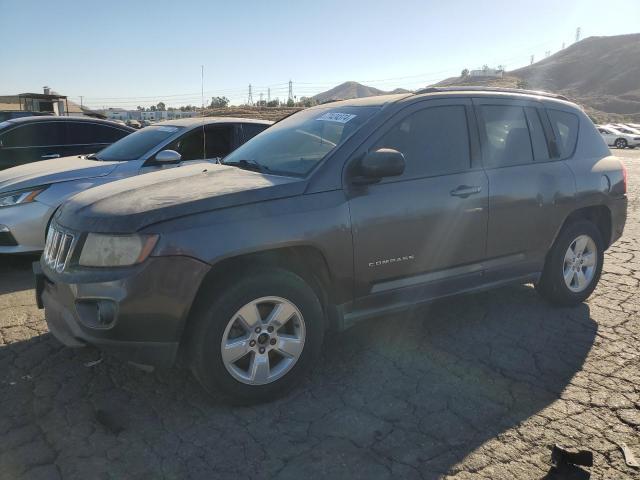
[374, 101]
[188, 122]
[42, 96]
[54, 118]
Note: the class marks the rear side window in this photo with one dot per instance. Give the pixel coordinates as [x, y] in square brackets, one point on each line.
[538, 138]
[250, 130]
[36, 135]
[91, 133]
[434, 141]
[507, 136]
[565, 126]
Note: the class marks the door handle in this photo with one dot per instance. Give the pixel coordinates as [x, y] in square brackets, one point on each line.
[53, 155]
[464, 191]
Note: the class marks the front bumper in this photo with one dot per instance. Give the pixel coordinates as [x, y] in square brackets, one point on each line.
[137, 313]
[27, 224]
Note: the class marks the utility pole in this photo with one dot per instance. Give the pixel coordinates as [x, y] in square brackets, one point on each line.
[268, 96]
[578, 34]
[202, 86]
[531, 61]
[250, 97]
[290, 90]
[81, 97]
[260, 102]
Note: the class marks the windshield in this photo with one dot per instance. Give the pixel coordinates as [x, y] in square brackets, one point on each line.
[298, 143]
[137, 144]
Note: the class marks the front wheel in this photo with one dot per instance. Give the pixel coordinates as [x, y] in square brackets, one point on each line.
[257, 337]
[573, 265]
[620, 143]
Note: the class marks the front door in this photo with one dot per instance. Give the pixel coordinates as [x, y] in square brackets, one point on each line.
[428, 225]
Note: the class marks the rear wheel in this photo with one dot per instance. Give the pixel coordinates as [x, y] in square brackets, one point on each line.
[573, 266]
[257, 337]
[620, 143]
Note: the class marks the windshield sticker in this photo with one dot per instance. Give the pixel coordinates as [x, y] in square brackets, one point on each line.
[167, 129]
[336, 117]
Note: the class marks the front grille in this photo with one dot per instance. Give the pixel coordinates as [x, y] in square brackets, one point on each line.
[57, 249]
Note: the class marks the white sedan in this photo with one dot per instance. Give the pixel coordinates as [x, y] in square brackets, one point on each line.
[618, 139]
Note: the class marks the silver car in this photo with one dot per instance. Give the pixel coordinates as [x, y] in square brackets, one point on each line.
[30, 194]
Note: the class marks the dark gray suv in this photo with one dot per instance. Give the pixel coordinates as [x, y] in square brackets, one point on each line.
[337, 214]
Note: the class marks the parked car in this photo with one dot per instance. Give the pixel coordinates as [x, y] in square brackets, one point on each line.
[29, 194]
[134, 124]
[31, 139]
[10, 114]
[618, 139]
[336, 214]
[627, 129]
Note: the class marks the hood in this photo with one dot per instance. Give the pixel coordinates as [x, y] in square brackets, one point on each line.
[57, 170]
[128, 205]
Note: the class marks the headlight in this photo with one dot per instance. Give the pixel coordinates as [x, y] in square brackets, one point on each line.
[116, 250]
[22, 196]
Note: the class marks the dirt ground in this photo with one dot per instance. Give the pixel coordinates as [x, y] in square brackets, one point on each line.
[474, 387]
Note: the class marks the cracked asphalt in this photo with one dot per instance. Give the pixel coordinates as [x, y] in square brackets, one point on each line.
[472, 387]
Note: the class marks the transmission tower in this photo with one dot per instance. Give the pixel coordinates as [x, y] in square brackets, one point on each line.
[268, 96]
[290, 90]
[250, 97]
[260, 102]
[578, 34]
[531, 61]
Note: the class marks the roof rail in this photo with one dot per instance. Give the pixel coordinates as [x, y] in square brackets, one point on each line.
[462, 88]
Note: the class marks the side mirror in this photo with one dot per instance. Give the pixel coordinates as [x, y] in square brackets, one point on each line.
[168, 156]
[381, 163]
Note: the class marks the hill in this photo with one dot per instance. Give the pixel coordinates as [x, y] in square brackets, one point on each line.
[600, 73]
[348, 90]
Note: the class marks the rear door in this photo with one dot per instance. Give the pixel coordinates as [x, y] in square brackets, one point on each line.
[414, 233]
[31, 143]
[530, 189]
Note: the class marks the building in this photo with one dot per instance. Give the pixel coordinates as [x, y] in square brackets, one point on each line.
[148, 115]
[486, 72]
[48, 102]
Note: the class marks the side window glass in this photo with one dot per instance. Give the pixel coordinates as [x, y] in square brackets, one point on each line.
[107, 134]
[250, 130]
[434, 141]
[190, 145]
[218, 140]
[507, 136]
[538, 138]
[36, 135]
[565, 125]
[79, 133]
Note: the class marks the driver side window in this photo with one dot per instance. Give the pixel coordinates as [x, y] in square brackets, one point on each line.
[190, 146]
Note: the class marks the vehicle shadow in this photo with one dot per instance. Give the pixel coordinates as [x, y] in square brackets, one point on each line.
[408, 396]
[16, 273]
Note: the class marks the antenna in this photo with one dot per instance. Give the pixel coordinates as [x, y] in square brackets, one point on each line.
[204, 139]
[250, 97]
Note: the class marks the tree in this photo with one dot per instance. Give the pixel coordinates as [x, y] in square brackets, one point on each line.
[140, 108]
[273, 103]
[465, 73]
[219, 102]
[152, 108]
[290, 103]
[522, 84]
[161, 107]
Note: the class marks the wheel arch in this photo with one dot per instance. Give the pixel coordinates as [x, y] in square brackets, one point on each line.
[306, 261]
[599, 215]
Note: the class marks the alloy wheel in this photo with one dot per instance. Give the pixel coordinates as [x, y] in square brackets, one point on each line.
[263, 340]
[580, 262]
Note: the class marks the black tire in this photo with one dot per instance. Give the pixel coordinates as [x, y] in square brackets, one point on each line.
[211, 320]
[551, 285]
[620, 143]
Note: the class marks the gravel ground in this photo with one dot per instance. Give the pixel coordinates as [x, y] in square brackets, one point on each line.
[475, 387]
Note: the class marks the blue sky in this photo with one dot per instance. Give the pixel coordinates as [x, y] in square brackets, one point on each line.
[128, 53]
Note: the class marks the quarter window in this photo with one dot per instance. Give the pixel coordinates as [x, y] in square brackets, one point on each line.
[434, 141]
[507, 136]
[565, 125]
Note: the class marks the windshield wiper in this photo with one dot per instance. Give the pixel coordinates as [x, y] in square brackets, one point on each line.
[249, 165]
[92, 156]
